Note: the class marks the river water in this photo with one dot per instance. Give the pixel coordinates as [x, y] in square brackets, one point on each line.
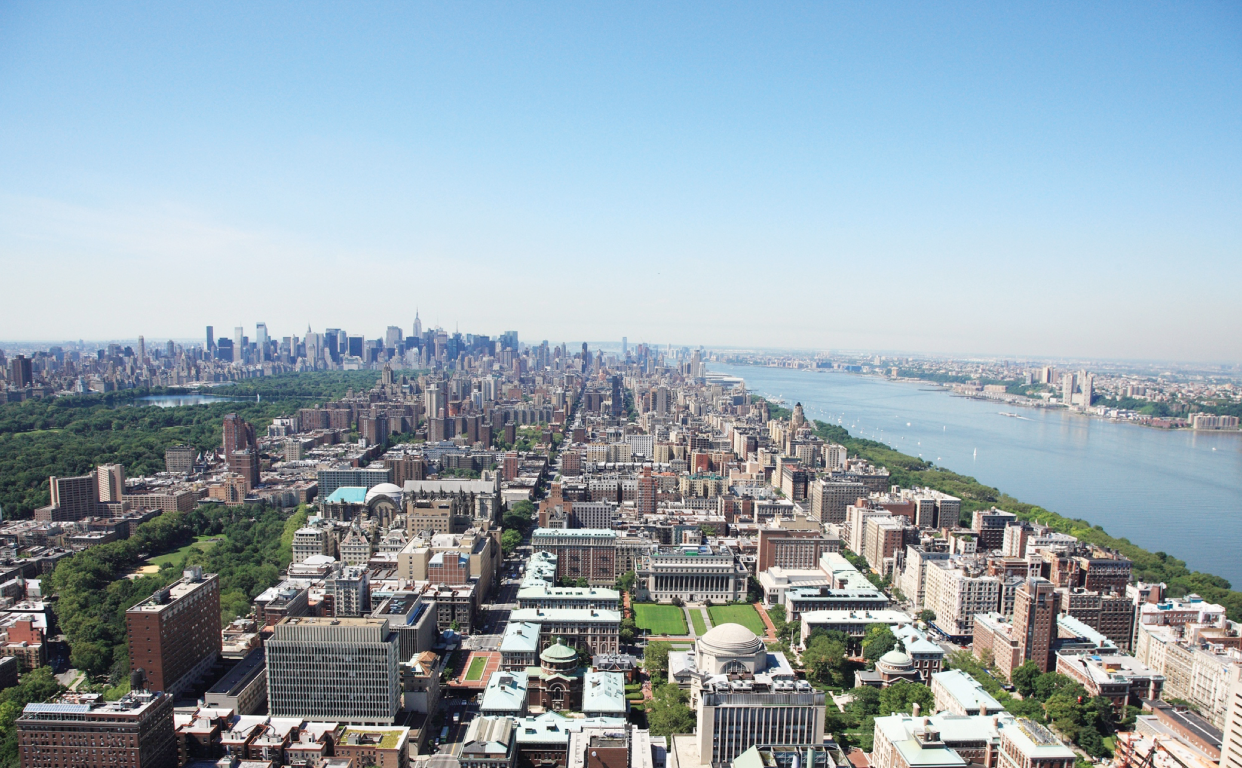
[1175, 491]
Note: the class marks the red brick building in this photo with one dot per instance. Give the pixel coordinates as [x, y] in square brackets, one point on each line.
[174, 635]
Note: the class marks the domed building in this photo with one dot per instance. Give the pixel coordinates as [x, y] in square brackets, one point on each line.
[891, 667]
[745, 695]
[556, 684]
[728, 654]
[383, 502]
[730, 649]
[350, 504]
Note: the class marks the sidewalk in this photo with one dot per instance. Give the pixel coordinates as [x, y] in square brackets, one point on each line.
[767, 622]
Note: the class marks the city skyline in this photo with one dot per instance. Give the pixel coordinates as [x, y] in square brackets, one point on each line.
[995, 181]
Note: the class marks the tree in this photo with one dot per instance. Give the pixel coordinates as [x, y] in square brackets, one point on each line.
[668, 713]
[754, 590]
[629, 631]
[1049, 683]
[877, 641]
[625, 582]
[1091, 741]
[1024, 677]
[927, 615]
[655, 659]
[90, 656]
[866, 703]
[903, 694]
[1065, 710]
[510, 540]
[677, 601]
[825, 658]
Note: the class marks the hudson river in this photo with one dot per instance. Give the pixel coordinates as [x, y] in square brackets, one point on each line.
[1174, 491]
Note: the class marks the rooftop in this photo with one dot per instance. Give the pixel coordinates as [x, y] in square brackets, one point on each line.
[348, 495]
[967, 691]
[377, 738]
[592, 615]
[505, 692]
[604, 692]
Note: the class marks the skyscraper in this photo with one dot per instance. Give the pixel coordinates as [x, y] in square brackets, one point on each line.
[142, 350]
[418, 325]
[238, 437]
[239, 353]
[211, 339]
[261, 339]
[21, 373]
[111, 481]
[1035, 608]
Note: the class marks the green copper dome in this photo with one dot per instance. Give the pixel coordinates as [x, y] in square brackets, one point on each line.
[558, 653]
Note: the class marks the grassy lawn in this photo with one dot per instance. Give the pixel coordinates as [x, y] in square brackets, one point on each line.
[660, 619]
[477, 665]
[696, 618]
[200, 542]
[746, 615]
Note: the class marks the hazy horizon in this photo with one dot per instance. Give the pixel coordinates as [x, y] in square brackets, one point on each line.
[1063, 181]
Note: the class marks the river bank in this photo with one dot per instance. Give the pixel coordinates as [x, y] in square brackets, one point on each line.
[1157, 491]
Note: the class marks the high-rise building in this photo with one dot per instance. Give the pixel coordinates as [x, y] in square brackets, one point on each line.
[174, 635]
[261, 340]
[84, 731]
[1035, 608]
[831, 498]
[1231, 748]
[111, 482]
[334, 669]
[510, 465]
[791, 548]
[21, 374]
[239, 345]
[142, 350]
[211, 339]
[180, 458]
[645, 502]
[238, 436]
[73, 498]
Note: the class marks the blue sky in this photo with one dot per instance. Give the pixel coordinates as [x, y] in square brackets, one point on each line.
[1038, 179]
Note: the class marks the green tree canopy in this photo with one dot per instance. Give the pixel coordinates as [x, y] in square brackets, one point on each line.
[1024, 677]
[510, 540]
[655, 659]
[877, 641]
[903, 694]
[668, 712]
[826, 657]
